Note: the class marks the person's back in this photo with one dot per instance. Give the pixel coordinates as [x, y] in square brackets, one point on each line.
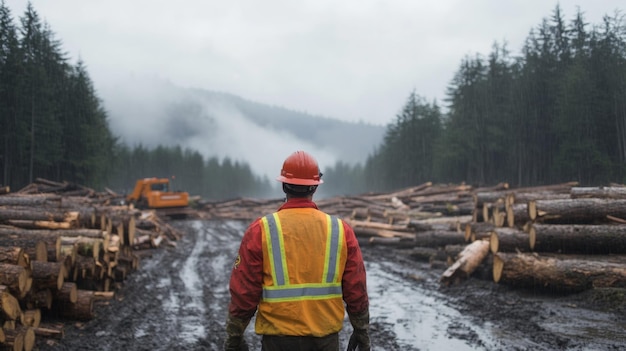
[298, 266]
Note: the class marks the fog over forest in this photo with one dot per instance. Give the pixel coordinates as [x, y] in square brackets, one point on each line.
[150, 111]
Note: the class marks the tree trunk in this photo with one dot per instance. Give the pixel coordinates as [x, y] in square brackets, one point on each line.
[31, 318]
[82, 309]
[508, 240]
[14, 277]
[10, 305]
[565, 274]
[35, 249]
[13, 255]
[468, 260]
[48, 275]
[576, 211]
[578, 238]
[598, 192]
[21, 338]
[68, 293]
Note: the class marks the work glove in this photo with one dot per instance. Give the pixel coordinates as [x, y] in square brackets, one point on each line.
[360, 338]
[234, 334]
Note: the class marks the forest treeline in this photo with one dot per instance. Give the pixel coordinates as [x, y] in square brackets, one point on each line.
[554, 112]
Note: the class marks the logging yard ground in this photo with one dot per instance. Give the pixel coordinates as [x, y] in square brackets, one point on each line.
[177, 300]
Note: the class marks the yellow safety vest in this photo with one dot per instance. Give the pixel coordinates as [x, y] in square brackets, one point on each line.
[304, 255]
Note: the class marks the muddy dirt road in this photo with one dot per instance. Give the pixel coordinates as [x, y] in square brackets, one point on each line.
[177, 301]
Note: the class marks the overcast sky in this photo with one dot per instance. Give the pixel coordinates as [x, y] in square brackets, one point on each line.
[355, 60]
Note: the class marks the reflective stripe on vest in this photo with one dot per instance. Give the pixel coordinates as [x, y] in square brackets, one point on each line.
[282, 290]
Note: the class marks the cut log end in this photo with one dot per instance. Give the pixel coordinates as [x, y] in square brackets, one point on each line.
[498, 266]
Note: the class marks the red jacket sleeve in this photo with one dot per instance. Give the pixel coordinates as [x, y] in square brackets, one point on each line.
[354, 279]
[246, 278]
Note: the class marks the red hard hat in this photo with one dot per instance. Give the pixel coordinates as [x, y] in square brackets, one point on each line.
[300, 168]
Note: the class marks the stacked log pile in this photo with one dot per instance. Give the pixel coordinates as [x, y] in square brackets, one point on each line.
[64, 248]
[560, 237]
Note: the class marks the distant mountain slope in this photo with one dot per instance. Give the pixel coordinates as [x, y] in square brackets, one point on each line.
[152, 112]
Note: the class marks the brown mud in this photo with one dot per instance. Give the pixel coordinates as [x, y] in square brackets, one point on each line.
[178, 297]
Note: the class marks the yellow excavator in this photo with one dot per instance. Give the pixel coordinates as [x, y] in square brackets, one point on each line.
[154, 193]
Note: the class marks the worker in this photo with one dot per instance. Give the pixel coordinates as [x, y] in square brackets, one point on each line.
[295, 269]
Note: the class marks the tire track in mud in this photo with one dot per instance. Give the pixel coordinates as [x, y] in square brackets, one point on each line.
[178, 300]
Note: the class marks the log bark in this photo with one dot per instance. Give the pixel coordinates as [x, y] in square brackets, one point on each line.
[14, 277]
[598, 192]
[50, 331]
[31, 318]
[439, 238]
[68, 293]
[578, 238]
[509, 240]
[21, 338]
[13, 255]
[557, 274]
[576, 211]
[468, 260]
[10, 306]
[82, 309]
[35, 249]
[37, 214]
[48, 275]
[38, 299]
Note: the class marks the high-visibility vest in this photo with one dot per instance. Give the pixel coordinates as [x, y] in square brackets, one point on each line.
[304, 255]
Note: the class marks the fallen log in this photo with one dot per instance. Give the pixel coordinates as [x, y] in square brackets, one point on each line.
[67, 293]
[50, 331]
[602, 192]
[10, 307]
[48, 275]
[38, 299]
[31, 318]
[439, 238]
[576, 211]
[578, 238]
[35, 249]
[467, 261]
[567, 274]
[14, 277]
[82, 309]
[13, 255]
[508, 240]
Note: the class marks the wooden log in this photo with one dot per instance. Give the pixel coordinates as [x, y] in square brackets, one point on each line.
[576, 211]
[26, 224]
[467, 261]
[55, 331]
[16, 200]
[34, 248]
[557, 274]
[517, 215]
[610, 192]
[48, 275]
[369, 232]
[439, 238]
[68, 293]
[38, 299]
[31, 318]
[36, 214]
[10, 308]
[508, 240]
[82, 309]
[578, 238]
[14, 277]
[477, 231]
[14, 339]
[13, 255]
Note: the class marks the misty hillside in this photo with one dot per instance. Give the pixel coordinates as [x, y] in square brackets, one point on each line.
[152, 112]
